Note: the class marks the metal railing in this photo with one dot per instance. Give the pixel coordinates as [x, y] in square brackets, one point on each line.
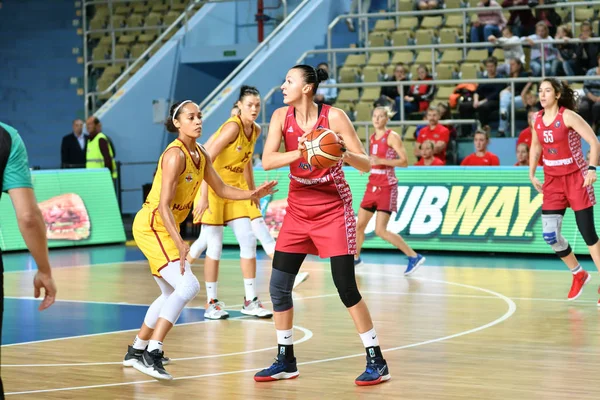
[363, 34]
[434, 47]
[90, 97]
[251, 56]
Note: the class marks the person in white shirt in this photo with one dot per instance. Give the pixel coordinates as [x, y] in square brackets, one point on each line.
[326, 95]
[511, 45]
[550, 52]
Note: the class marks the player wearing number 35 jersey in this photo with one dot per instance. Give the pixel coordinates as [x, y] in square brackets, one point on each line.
[568, 179]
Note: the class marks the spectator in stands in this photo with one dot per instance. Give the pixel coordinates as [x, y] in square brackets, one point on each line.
[326, 95]
[585, 55]
[481, 157]
[100, 153]
[419, 96]
[391, 94]
[73, 147]
[428, 4]
[525, 135]
[434, 132]
[548, 16]
[485, 100]
[427, 157]
[521, 21]
[522, 155]
[565, 59]
[589, 107]
[357, 7]
[489, 22]
[512, 48]
[550, 52]
[521, 89]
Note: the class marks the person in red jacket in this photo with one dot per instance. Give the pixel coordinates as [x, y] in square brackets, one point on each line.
[522, 155]
[525, 135]
[427, 158]
[438, 134]
[481, 157]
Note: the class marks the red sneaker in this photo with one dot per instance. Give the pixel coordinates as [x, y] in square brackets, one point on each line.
[579, 281]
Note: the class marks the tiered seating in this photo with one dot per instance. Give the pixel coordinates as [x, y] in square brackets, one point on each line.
[449, 63]
[147, 18]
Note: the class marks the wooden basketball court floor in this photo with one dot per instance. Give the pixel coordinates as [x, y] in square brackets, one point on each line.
[463, 327]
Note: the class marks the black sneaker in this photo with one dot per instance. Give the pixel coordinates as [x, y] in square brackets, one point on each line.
[134, 355]
[151, 364]
[376, 372]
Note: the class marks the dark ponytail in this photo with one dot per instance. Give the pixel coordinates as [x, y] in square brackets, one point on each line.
[568, 97]
[173, 113]
[312, 76]
[246, 90]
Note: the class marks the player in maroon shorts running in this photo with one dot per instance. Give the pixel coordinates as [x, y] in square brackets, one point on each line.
[568, 180]
[381, 195]
[319, 219]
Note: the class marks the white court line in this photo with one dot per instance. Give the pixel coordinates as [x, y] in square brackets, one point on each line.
[108, 333]
[106, 264]
[117, 303]
[307, 336]
[511, 310]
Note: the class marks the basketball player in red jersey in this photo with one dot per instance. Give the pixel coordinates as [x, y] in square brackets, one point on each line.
[319, 219]
[568, 179]
[482, 157]
[381, 195]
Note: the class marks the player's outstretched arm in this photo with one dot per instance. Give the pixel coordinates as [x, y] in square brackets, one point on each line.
[355, 154]
[272, 158]
[229, 192]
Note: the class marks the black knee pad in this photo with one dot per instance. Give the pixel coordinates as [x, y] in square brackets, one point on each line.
[342, 269]
[586, 226]
[281, 286]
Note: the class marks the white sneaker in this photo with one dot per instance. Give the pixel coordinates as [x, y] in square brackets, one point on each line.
[255, 308]
[350, 24]
[301, 277]
[215, 310]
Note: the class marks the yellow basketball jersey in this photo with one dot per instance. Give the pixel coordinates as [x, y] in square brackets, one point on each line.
[230, 163]
[187, 185]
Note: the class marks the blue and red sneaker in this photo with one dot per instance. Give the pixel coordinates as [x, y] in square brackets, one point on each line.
[281, 369]
[377, 372]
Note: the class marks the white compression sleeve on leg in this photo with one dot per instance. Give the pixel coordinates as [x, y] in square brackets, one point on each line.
[186, 288]
[214, 241]
[243, 232]
[261, 231]
[200, 244]
[154, 309]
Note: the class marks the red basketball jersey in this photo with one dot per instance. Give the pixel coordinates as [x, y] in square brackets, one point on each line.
[561, 146]
[382, 175]
[310, 185]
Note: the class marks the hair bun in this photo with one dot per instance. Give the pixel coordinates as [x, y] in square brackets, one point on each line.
[322, 75]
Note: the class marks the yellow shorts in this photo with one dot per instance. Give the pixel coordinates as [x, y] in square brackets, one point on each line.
[153, 240]
[224, 210]
[253, 211]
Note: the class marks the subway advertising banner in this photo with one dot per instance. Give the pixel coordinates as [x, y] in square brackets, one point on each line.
[490, 209]
[79, 208]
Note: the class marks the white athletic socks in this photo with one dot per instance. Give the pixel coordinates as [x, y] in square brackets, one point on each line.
[155, 344]
[286, 337]
[577, 269]
[250, 288]
[369, 338]
[139, 344]
[211, 291]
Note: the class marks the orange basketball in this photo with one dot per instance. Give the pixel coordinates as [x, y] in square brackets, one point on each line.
[322, 148]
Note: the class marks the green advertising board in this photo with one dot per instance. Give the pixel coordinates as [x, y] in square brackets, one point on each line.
[490, 209]
[79, 207]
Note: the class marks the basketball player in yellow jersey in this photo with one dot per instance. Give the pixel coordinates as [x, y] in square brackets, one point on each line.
[181, 169]
[231, 148]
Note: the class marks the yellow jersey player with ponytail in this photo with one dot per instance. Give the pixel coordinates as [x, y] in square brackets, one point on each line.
[231, 149]
[182, 168]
